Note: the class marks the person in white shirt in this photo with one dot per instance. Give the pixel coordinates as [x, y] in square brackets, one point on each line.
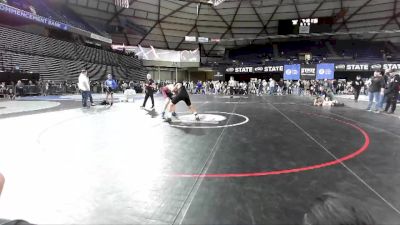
[231, 85]
[271, 86]
[84, 87]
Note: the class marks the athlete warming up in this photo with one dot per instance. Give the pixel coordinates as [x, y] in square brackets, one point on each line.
[168, 95]
[110, 86]
[181, 95]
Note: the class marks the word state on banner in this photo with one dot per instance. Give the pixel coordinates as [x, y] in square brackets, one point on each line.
[247, 69]
[390, 66]
[268, 69]
[357, 67]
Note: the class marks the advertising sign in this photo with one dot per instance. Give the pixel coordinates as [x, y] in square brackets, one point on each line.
[308, 72]
[291, 72]
[325, 71]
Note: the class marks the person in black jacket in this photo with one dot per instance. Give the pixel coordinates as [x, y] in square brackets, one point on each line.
[149, 89]
[392, 94]
[357, 85]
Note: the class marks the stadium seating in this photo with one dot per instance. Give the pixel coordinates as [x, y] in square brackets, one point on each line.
[59, 60]
[320, 49]
[56, 11]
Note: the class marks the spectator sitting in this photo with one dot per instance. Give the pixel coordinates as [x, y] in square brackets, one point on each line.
[335, 209]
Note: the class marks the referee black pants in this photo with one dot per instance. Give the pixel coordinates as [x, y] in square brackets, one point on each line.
[391, 102]
[356, 94]
[148, 94]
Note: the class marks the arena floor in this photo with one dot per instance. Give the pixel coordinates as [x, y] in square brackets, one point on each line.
[250, 160]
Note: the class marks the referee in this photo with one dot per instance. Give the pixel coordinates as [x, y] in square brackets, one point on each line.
[149, 89]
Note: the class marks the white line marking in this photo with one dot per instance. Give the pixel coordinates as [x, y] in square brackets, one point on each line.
[344, 165]
[196, 186]
[246, 120]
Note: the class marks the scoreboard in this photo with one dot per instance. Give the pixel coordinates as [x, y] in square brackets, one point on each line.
[305, 26]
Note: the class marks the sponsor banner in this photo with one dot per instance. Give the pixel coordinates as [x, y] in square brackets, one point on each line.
[391, 66]
[273, 69]
[202, 39]
[101, 38]
[30, 16]
[230, 70]
[154, 54]
[357, 67]
[257, 69]
[190, 38]
[377, 66]
[291, 72]
[312, 71]
[325, 71]
[308, 72]
[218, 76]
[340, 67]
[245, 69]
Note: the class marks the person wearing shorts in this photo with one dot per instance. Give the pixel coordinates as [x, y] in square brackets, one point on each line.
[110, 86]
[181, 95]
[167, 93]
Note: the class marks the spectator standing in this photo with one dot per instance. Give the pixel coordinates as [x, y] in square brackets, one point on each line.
[357, 85]
[231, 85]
[19, 88]
[271, 86]
[376, 90]
[110, 85]
[392, 94]
[84, 87]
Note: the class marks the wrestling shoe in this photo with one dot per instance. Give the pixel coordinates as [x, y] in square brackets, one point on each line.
[163, 115]
[168, 120]
[174, 114]
[197, 118]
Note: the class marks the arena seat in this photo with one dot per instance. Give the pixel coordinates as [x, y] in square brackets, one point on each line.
[60, 60]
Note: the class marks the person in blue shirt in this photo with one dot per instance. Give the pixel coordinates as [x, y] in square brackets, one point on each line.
[110, 85]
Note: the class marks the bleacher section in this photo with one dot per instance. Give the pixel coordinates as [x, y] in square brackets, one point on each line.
[55, 10]
[316, 48]
[252, 54]
[59, 60]
[359, 50]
